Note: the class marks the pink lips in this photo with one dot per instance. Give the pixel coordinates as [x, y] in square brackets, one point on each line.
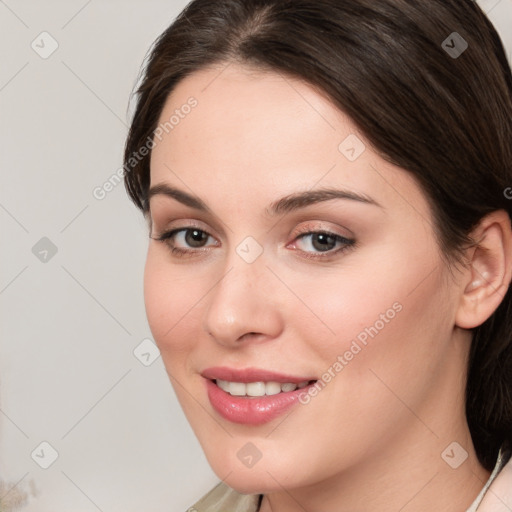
[251, 410]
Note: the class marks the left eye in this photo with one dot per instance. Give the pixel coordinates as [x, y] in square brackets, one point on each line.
[322, 241]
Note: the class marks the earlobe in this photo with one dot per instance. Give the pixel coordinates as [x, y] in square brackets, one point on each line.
[489, 270]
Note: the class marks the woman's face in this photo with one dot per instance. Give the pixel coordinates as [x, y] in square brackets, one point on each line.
[276, 278]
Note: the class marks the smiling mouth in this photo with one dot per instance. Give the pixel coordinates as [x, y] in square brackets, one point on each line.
[253, 396]
[260, 388]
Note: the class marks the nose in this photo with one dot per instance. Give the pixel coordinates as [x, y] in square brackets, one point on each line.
[243, 305]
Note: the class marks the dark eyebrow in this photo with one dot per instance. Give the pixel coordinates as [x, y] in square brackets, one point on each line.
[303, 199]
[285, 204]
[179, 195]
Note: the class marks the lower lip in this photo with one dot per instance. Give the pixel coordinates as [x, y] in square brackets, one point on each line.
[251, 410]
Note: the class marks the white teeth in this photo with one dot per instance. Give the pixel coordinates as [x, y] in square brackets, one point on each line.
[272, 388]
[258, 388]
[237, 388]
[255, 388]
[223, 384]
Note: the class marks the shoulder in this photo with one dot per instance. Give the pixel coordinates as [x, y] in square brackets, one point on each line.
[222, 498]
[498, 497]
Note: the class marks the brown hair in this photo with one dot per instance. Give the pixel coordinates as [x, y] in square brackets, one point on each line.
[443, 117]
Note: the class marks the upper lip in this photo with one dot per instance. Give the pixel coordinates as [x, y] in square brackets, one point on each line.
[251, 375]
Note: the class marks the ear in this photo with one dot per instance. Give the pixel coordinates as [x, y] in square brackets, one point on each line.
[489, 270]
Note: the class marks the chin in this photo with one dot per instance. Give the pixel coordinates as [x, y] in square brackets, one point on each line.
[251, 482]
[252, 477]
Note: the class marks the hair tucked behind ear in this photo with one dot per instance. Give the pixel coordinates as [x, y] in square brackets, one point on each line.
[446, 120]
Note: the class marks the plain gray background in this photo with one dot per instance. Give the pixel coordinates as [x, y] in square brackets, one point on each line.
[72, 265]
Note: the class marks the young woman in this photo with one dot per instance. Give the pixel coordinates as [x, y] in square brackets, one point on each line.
[327, 185]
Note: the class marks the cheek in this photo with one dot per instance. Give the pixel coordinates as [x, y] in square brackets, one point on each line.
[170, 296]
[338, 307]
[392, 334]
[388, 307]
[390, 338]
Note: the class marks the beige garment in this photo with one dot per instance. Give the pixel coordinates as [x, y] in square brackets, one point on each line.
[224, 499]
[495, 496]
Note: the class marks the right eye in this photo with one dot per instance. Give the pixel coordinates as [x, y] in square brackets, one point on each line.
[186, 240]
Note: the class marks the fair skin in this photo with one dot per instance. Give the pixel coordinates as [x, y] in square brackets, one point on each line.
[372, 439]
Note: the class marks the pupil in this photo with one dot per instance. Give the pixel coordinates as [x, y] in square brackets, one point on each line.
[195, 237]
[326, 242]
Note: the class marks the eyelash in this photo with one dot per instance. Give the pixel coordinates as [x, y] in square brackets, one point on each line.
[179, 252]
[347, 243]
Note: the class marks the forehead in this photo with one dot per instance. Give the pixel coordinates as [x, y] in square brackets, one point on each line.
[256, 116]
[267, 134]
